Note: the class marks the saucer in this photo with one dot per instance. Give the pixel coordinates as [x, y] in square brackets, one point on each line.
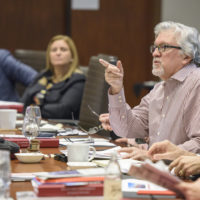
[29, 157]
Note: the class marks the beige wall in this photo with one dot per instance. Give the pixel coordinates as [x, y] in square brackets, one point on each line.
[183, 11]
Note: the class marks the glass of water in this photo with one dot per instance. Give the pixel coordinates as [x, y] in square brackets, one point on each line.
[31, 123]
[35, 111]
[4, 174]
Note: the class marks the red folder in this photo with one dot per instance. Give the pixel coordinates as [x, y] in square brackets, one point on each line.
[62, 190]
[44, 142]
[72, 179]
[85, 189]
[154, 192]
[19, 108]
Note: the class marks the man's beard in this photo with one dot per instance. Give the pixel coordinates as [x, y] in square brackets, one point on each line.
[158, 70]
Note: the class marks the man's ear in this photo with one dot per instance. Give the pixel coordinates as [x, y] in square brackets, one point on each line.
[187, 60]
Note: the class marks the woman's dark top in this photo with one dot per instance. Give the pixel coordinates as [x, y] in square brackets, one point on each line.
[61, 100]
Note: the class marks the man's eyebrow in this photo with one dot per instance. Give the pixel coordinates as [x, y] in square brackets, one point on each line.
[162, 43]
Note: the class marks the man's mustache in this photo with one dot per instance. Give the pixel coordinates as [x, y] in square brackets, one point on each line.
[156, 60]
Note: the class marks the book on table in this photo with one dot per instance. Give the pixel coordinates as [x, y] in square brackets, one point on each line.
[165, 179]
[135, 188]
[76, 185]
[24, 143]
[12, 105]
[90, 172]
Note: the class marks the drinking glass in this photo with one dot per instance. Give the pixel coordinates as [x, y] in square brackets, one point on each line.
[31, 122]
[35, 110]
[4, 174]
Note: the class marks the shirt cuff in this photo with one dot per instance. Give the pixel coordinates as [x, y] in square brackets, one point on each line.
[116, 100]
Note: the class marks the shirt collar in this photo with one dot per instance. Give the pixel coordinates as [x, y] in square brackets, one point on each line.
[184, 72]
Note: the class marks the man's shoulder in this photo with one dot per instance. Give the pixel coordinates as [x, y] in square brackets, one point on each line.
[195, 74]
[4, 53]
[193, 80]
[197, 70]
[159, 84]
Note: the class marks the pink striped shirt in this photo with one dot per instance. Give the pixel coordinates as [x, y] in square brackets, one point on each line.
[170, 111]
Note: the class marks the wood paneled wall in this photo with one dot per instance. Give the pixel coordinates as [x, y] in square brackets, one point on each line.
[123, 28]
[30, 24]
[120, 27]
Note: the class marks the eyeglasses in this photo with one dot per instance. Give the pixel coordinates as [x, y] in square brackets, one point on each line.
[162, 48]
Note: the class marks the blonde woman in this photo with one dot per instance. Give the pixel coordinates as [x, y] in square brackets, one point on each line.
[58, 89]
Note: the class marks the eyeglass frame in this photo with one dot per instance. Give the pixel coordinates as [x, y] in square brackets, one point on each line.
[162, 48]
[96, 128]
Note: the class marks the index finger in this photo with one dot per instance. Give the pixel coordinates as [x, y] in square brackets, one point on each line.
[121, 140]
[174, 163]
[154, 149]
[104, 63]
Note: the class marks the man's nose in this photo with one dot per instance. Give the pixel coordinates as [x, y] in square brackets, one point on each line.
[156, 53]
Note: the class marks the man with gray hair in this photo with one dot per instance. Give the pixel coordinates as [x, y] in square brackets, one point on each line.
[171, 111]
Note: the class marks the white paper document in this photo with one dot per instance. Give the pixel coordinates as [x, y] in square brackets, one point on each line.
[30, 195]
[22, 176]
[19, 122]
[134, 185]
[10, 103]
[124, 164]
[69, 131]
[97, 142]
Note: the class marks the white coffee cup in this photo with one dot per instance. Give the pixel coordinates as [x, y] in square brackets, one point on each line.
[8, 118]
[79, 152]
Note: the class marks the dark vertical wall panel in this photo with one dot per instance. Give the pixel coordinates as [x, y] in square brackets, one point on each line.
[30, 24]
[123, 28]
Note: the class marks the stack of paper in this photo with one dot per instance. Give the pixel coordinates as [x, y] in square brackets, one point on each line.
[124, 164]
[97, 142]
[134, 188]
[83, 182]
[29, 195]
[152, 172]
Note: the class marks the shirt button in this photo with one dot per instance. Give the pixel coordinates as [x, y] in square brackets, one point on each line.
[119, 97]
[158, 133]
[120, 101]
[123, 116]
[167, 97]
[163, 115]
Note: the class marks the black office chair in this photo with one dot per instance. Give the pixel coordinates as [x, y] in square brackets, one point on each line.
[34, 58]
[147, 85]
[95, 92]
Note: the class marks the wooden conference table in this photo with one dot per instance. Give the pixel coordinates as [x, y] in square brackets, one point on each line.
[47, 165]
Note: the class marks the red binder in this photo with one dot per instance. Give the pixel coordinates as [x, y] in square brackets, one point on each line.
[154, 192]
[19, 108]
[68, 189]
[44, 142]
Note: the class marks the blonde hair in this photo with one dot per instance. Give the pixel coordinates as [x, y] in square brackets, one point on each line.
[75, 60]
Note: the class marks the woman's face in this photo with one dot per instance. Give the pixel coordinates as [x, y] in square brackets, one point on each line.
[60, 54]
